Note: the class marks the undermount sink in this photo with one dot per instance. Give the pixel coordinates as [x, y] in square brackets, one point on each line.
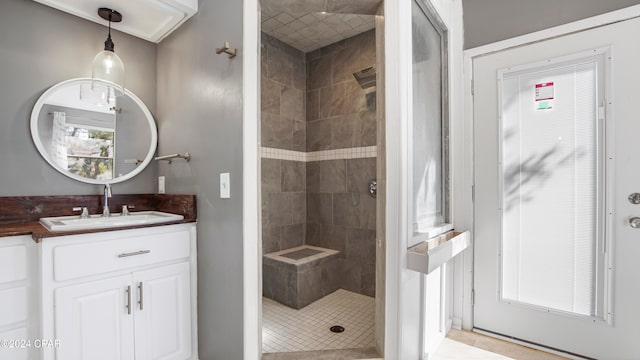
[74, 222]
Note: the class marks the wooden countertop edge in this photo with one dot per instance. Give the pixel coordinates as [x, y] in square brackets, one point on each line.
[39, 232]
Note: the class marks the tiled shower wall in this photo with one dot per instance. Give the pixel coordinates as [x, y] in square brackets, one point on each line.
[283, 204]
[342, 216]
[338, 113]
[338, 212]
[284, 84]
[283, 124]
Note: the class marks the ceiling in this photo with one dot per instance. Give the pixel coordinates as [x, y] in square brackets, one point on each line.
[311, 24]
[151, 20]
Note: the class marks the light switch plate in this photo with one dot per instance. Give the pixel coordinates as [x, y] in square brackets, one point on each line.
[225, 186]
[161, 188]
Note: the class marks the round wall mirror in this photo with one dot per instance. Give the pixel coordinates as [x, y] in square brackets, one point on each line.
[96, 144]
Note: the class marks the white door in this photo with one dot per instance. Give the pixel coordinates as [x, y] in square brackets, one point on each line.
[556, 148]
[95, 321]
[163, 313]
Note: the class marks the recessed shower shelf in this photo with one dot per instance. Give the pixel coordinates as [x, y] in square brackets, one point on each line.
[430, 255]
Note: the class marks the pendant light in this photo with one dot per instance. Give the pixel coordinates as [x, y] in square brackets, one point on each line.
[107, 70]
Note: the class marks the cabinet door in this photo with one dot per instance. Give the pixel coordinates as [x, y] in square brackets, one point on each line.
[163, 313]
[94, 321]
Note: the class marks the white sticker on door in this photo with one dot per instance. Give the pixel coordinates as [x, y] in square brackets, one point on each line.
[544, 95]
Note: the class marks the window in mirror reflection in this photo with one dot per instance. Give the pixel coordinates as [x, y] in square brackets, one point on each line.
[82, 147]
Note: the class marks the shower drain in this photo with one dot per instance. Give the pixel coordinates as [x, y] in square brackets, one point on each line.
[336, 329]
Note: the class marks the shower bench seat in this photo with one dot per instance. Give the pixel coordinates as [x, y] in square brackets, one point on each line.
[299, 276]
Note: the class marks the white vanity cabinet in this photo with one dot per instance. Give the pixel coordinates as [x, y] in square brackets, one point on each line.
[120, 295]
[90, 323]
[18, 322]
[162, 316]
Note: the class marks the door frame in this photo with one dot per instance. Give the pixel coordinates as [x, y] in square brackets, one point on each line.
[405, 289]
[402, 335]
[251, 204]
[469, 56]
[252, 244]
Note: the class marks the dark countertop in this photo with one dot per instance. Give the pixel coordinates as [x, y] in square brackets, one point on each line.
[20, 215]
[21, 229]
[39, 232]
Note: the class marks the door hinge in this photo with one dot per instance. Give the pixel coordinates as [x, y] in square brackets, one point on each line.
[602, 111]
[473, 88]
[473, 193]
[473, 297]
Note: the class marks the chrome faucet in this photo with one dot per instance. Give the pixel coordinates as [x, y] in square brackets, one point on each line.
[107, 195]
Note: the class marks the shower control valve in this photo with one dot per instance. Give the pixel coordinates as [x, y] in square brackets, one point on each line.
[373, 188]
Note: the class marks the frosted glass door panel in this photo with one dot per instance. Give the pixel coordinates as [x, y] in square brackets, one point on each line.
[551, 186]
[428, 124]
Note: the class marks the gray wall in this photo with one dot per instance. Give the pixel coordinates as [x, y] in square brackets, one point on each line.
[487, 21]
[39, 47]
[200, 111]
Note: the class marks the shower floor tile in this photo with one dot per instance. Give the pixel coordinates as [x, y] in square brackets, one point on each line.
[287, 330]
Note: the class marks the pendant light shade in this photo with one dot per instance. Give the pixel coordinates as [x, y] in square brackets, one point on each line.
[107, 70]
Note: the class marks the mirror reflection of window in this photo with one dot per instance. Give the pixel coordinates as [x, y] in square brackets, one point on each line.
[84, 145]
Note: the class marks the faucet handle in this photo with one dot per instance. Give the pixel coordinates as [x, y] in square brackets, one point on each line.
[85, 211]
[125, 209]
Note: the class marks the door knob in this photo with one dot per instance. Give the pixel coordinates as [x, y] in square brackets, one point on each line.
[634, 198]
[634, 222]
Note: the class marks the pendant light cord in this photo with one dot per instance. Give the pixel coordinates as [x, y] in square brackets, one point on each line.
[108, 45]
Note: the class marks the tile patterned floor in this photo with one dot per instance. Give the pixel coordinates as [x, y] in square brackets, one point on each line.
[287, 330]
